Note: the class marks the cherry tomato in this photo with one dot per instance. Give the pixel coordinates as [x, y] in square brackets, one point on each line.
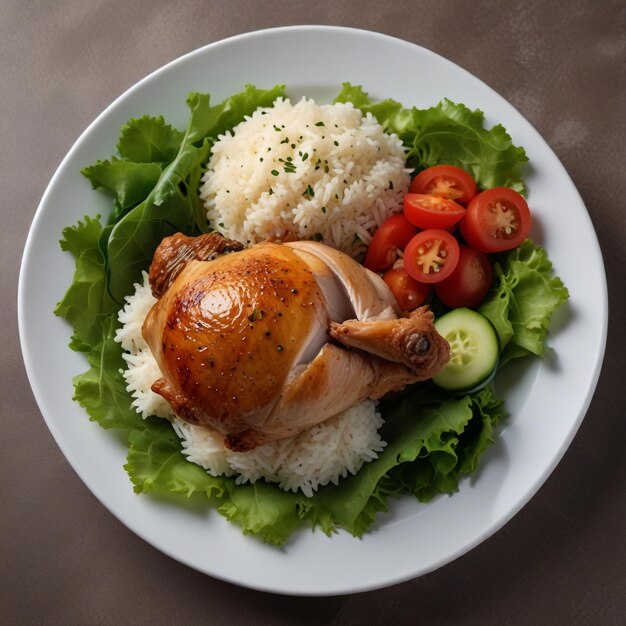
[431, 256]
[431, 211]
[469, 282]
[496, 219]
[445, 181]
[394, 234]
[407, 291]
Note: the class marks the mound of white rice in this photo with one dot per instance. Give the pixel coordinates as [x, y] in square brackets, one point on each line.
[305, 171]
[321, 455]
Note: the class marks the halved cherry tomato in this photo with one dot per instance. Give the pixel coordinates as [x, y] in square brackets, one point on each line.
[431, 211]
[431, 256]
[469, 282]
[496, 219]
[406, 290]
[394, 233]
[445, 181]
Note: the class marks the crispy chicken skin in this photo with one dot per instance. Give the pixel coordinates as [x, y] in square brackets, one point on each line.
[412, 340]
[176, 251]
[228, 332]
[264, 343]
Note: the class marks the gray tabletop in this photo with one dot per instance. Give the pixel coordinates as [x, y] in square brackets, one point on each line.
[66, 559]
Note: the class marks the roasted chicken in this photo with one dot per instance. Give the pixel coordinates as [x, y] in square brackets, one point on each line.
[264, 343]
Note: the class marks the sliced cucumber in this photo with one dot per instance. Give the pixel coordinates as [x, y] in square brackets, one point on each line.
[474, 350]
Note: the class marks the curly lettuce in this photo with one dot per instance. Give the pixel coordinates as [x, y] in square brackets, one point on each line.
[432, 442]
[448, 133]
[156, 195]
[523, 297]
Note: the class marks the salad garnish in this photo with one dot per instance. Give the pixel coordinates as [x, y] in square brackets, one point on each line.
[435, 434]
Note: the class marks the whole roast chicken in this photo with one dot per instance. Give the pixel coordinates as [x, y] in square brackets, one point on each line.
[265, 342]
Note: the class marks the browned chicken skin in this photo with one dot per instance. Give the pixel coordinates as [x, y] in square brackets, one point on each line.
[176, 251]
[244, 341]
[404, 340]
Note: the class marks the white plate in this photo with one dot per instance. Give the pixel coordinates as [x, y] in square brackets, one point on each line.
[547, 401]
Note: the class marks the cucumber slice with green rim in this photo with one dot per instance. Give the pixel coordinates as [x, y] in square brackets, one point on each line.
[474, 350]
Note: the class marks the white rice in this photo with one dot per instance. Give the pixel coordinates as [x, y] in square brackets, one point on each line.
[319, 456]
[346, 176]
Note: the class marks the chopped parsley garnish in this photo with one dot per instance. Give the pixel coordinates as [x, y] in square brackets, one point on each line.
[318, 237]
[255, 315]
[319, 124]
[274, 172]
[308, 192]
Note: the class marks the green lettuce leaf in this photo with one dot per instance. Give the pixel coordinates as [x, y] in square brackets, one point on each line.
[489, 411]
[213, 121]
[129, 182]
[101, 390]
[524, 296]
[262, 509]
[149, 140]
[86, 303]
[410, 427]
[156, 464]
[448, 133]
[172, 203]
[432, 441]
[427, 451]
[390, 114]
